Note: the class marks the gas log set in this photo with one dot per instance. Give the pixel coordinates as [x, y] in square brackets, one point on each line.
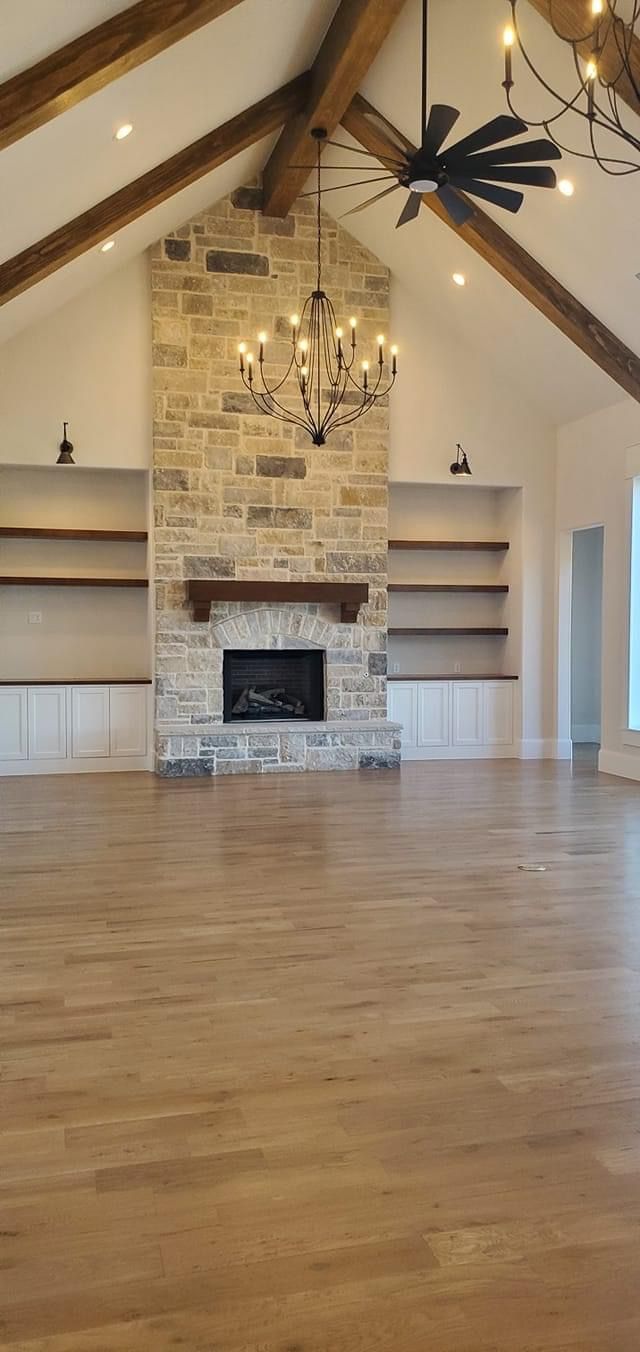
[260, 702]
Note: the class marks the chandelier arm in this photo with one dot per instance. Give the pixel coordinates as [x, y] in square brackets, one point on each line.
[565, 36]
[354, 414]
[285, 377]
[345, 419]
[266, 401]
[599, 117]
[625, 56]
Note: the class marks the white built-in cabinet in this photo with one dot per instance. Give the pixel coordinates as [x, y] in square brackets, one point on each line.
[455, 719]
[47, 729]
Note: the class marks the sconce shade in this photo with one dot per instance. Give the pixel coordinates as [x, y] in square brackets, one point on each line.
[460, 464]
[66, 449]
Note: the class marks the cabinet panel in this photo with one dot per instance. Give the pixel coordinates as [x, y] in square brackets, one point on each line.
[128, 720]
[498, 713]
[13, 723]
[434, 713]
[47, 706]
[90, 720]
[402, 704]
[467, 713]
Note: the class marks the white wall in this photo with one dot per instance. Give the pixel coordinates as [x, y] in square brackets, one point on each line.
[586, 634]
[88, 363]
[594, 488]
[448, 392]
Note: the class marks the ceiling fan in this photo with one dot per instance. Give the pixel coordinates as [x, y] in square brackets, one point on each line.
[478, 164]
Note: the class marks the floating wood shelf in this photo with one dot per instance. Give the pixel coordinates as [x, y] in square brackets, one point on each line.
[490, 545]
[74, 582]
[496, 633]
[49, 533]
[453, 676]
[446, 587]
[76, 680]
[203, 592]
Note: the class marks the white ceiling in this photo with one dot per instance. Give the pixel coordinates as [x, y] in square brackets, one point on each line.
[590, 242]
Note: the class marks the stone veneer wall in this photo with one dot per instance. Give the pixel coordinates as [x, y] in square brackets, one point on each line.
[239, 495]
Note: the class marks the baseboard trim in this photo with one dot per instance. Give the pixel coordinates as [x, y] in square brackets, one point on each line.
[442, 753]
[545, 748]
[91, 765]
[585, 732]
[622, 763]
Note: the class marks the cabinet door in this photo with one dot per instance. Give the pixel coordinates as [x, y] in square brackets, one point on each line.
[128, 720]
[498, 713]
[467, 713]
[402, 708]
[433, 713]
[13, 723]
[47, 706]
[89, 720]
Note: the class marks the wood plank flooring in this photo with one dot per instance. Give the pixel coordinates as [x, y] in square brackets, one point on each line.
[306, 1064]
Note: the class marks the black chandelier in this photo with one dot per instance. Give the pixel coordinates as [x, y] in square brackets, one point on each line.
[605, 74]
[322, 367]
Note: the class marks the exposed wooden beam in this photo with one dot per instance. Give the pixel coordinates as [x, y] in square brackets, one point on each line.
[518, 267]
[129, 203]
[90, 62]
[572, 17]
[352, 41]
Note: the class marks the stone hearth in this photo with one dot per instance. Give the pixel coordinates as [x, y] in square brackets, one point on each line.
[240, 496]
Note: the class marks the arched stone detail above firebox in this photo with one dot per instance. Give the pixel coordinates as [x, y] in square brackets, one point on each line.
[280, 627]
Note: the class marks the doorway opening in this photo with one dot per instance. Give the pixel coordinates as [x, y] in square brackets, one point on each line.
[586, 642]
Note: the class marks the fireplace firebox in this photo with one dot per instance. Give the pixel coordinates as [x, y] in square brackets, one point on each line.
[264, 684]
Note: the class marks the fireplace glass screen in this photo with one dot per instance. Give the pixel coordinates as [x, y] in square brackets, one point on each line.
[263, 685]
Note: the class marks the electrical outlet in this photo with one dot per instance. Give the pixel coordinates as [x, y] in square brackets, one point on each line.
[457, 666]
[395, 666]
[34, 617]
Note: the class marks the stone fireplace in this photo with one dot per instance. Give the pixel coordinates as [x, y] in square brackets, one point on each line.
[242, 499]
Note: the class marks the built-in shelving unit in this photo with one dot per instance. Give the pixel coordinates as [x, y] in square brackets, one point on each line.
[76, 537]
[454, 604]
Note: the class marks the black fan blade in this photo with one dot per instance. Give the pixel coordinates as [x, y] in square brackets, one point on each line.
[498, 129]
[389, 130]
[370, 200]
[410, 209]
[501, 197]
[441, 119]
[525, 153]
[532, 175]
[454, 205]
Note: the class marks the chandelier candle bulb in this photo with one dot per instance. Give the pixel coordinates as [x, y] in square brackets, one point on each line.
[394, 360]
[508, 38]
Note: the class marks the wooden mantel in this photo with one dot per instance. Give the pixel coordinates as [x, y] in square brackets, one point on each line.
[201, 592]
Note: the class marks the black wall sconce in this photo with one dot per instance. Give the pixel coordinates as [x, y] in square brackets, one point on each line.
[461, 464]
[66, 449]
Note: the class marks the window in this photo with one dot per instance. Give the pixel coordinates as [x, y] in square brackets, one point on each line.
[634, 612]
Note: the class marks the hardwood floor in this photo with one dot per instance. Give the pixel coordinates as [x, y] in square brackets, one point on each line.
[306, 1064]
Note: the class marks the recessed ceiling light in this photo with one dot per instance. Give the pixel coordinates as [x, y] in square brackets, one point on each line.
[108, 244]
[459, 278]
[124, 131]
[565, 186]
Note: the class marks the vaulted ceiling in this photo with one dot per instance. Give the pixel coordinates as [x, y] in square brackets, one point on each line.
[63, 168]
